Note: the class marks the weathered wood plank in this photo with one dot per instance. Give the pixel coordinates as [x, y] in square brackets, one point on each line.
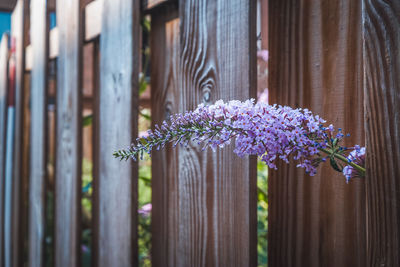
[39, 43]
[12, 143]
[25, 169]
[7, 5]
[216, 192]
[316, 63]
[19, 199]
[3, 113]
[119, 66]
[92, 11]
[28, 58]
[69, 134]
[165, 92]
[382, 123]
[96, 156]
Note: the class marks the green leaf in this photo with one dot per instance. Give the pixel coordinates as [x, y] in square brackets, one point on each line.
[261, 192]
[334, 164]
[147, 117]
[87, 120]
[142, 86]
[146, 25]
[146, 180]
[335, 141]
[86, 188]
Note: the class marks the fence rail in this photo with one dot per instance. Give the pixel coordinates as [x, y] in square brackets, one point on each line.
[339, 59]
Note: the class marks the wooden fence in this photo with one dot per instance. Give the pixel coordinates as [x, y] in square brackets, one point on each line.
[339, 58]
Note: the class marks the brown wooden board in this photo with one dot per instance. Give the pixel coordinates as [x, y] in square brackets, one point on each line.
[19, 198]
[316, 63]
[39, 42]
[118, 109]
[96, 157]
[25, 169]
[210, 197]
[165, 101]
[7, 5]
[382, 125]
[69, 131]
[3, 126]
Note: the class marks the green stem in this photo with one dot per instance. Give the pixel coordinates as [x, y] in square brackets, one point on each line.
[340, 157]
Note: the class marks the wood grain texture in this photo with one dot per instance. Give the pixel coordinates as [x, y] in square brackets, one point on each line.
[69, 132]
[382, 125]
[3, 123]
[165, 92]
[39, 42]
[210, 197]
[25, 169]
[19, 198]
[217, 191]
[316, 63]
[7, 5]
[28, 58]
[117, 181]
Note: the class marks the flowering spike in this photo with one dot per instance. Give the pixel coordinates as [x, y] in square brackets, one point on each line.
[268, 131]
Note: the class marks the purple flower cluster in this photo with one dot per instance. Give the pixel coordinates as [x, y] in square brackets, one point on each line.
[269, 131]
[145, 210]
[356, 156]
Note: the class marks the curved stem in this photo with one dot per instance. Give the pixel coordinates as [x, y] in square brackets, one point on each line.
[340, 157]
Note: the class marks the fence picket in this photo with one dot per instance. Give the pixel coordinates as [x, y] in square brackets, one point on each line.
[204, 203]
[382, 122]
[3, 112]
[317, 64]
[37, 181]
[19, 197]
[69, 134]
[118, 96]
[165, 101]
[211, 197]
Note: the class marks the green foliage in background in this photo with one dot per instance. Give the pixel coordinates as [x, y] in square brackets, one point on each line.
[86, 202]
[144, 231]
[262, 213]
[144, 185]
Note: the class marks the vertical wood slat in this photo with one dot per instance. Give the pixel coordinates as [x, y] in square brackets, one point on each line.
[37, 181]
[25, 169]
[8, 183]
[19, 199]
[213, 211]
[96, 157]
[316, 63]
[217, 191]
[69, 132]
[165, 101]
[3, 112]
[117, 181]
[381, 52]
